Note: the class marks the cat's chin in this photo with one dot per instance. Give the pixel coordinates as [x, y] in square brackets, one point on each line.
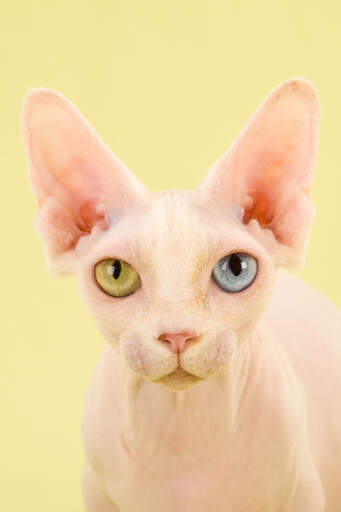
[179, 380]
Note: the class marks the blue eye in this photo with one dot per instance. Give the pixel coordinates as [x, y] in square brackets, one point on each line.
[235, 272]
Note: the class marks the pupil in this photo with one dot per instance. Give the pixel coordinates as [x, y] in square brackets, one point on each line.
[235, 264]
[117, 269]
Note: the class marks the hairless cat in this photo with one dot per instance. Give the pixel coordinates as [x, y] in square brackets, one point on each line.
[220, 386]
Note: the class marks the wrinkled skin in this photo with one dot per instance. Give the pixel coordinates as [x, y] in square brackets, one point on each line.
[246, 418]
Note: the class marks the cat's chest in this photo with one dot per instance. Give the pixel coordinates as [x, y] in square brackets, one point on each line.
[184, 456]
[163, 469]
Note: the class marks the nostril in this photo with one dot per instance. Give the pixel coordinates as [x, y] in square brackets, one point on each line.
[177, 340]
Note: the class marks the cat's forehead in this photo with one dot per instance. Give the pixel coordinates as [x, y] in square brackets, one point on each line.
[168, 217]
[177, 210]
[176, 221]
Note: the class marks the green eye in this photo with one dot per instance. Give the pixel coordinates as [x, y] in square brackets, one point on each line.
[117, 277]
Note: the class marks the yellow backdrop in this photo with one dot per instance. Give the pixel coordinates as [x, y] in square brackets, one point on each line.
[167, 85]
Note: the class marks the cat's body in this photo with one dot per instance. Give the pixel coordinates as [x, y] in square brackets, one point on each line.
[220, 390]
[312, 341]
[154, 449]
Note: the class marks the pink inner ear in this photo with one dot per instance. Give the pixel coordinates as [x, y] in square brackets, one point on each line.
[75, 185]
[56, 228]
[268, 186]
[66, 165]
[268, 171]
[69, 163]
[91, 213]
[275, 157]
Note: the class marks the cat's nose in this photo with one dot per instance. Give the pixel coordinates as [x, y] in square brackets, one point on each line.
[177, 341]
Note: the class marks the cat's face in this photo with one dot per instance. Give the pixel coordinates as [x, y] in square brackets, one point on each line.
[173, 241]
[153, 266]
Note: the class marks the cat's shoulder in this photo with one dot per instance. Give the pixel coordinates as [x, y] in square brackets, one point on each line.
[293, 295]
[303, 318]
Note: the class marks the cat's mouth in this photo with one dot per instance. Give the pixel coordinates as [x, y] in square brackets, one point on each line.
[179, 379]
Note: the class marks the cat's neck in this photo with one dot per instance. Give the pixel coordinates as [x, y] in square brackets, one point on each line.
[205, 403]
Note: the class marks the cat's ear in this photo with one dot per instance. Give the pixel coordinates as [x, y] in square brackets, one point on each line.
[268, 171]
[76, 179]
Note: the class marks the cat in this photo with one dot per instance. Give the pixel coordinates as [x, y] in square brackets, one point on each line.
[220, 386]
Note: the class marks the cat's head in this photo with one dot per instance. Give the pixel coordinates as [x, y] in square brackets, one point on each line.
[175, 280]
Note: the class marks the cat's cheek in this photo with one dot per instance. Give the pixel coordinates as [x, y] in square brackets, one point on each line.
[111, 315]
[213, 356]
[146, 357]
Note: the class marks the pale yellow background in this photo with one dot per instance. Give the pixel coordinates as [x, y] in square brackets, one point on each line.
[168, 85]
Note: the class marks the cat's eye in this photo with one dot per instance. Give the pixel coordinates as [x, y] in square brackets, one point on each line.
[235, 272]
[117, 277]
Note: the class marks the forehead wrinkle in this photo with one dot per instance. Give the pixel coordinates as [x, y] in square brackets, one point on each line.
[178, 233]
[176, 230]
[180, 246]
[175, 218]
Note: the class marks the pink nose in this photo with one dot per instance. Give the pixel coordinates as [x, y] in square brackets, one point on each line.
[177, 341]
